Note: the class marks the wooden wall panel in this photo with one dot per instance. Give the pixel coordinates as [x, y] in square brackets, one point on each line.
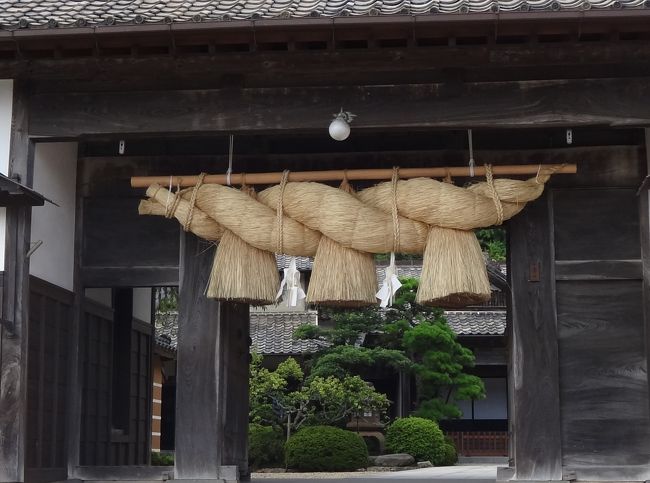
[603, 383]
[598, 224]
[116, 236]
[601, 332]
[96, 348]
[99, 446]
[50, 320]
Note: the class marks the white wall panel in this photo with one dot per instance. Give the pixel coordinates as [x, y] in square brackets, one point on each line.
[55, 174]
[6, 103]
[142, 304]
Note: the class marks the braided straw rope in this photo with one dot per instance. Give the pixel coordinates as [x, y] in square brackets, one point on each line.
[412, 216]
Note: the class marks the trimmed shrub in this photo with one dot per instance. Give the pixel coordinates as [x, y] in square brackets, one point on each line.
[324, 448]
[265, 447]
[419, 437]
[162, 459]
[449, 456]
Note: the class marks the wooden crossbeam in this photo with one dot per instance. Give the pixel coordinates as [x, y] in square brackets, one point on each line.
[352, 174]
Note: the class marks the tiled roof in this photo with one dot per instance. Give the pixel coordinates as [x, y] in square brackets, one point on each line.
[165, 342]
[167, 328]
[70, 13]
[272, 332]
[304, 264]
[487, 322]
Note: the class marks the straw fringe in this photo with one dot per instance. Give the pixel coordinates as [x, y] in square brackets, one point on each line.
[243, 273]
[342, 277]
[453, 270]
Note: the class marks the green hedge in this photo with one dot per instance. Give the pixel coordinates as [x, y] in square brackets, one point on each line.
[324, 448]
[265, 447]
[450, 455]
[162, 459]
[419, 437]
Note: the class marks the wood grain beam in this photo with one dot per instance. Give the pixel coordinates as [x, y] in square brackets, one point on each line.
[471, 63]
[535, 404]
[613, 102]
[15, 305]
[644, 227]
[212, 375]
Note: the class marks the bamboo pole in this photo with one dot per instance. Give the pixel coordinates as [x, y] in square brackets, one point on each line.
[185, 181]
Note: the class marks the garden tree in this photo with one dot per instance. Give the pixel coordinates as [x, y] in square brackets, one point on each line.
[493, 242]
[284, 398]
[348, 353]
[406, 336]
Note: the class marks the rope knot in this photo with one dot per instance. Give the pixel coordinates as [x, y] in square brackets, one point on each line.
[279, 212]
[493, 192]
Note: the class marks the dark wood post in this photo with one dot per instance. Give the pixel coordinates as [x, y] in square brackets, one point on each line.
[15, 303]
[644, 226]
[535, 404]
[212, 386]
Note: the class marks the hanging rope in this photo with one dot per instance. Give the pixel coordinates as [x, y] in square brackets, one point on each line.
[195, 190]
[471, 153]
[231, 149]
[493, 192]
[394, 210]
[279, 212]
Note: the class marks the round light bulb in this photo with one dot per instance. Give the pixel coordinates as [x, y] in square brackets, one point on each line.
[339, 129]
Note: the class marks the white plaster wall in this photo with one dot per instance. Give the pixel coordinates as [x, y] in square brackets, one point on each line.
[466, 408]
[55, 174]
[142, 304]
[103, 296]
[495, 404]
[6, 103]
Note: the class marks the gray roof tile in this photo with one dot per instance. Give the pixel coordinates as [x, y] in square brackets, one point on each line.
[167, 328]
[37, 13]
[472, 322]
[272, 332]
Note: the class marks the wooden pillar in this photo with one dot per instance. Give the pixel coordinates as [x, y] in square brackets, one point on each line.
[644, 226]
[15, 302]
[212, 376]
[535, 404]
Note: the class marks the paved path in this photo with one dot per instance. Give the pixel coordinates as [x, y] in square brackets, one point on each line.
[447, 474]
[472, 473]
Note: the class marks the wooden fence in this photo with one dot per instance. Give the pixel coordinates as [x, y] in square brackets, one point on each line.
[480, 443]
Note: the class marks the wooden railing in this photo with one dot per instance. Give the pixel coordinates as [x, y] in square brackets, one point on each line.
[480, 443]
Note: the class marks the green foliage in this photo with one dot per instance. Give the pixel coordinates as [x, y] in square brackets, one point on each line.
[493, 242]
[166, 299]
[324, 448]
[407, 337]
[284, 398]
[340, 361]
[439, 362]
[450, 455]
[421, 438]
[161, 459]
[265, 446]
